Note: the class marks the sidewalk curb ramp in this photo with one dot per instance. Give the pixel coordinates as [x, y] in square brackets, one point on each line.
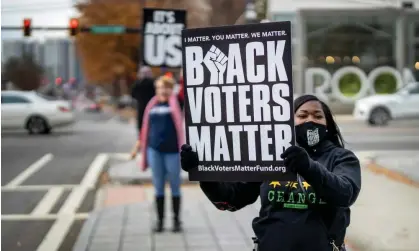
[376, 168]
[122, 171]
[381, 178]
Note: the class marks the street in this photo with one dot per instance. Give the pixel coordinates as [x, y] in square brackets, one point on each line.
[47, 175]
[49, 181]
[399, 135]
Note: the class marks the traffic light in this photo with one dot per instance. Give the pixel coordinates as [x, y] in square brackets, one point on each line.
[74, 26]
[27, 29]
[58, 81]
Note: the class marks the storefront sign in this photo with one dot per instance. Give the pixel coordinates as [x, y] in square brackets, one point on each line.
[331, 81]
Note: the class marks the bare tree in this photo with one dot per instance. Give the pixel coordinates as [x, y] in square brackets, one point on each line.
[24, 72]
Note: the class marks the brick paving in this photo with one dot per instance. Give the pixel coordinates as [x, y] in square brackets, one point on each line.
[121, 195]
[125, 224]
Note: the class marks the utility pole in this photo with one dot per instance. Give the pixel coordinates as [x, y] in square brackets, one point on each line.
[141, 46]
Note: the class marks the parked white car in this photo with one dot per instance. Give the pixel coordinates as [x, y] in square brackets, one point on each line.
[380, 109]
[34, 112]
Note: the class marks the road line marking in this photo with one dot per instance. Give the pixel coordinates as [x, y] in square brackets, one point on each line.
[74, 200]
[58, 231]
[23, 217]
[35, 167]
[77, 195]
[48, 201]
[120, 156]
[94, 170]
[56, 234]
[37, 187]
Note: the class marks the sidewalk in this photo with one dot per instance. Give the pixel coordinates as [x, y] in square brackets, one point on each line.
[402, 166]
[384, 218]
[127, 227]
[124, 171]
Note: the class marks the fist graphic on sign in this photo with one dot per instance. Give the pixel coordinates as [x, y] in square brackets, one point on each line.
[216, 62]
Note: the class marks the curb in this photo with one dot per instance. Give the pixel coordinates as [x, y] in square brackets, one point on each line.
[390, 174]
[143, 178]
[83, 239]
[99, 198]
[345, 118]
[350, 246]
[146, 181]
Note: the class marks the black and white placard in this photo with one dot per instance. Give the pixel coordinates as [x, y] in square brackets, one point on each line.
[239, 100]
[162, 37]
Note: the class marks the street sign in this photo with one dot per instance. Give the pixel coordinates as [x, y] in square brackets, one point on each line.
[107, 29]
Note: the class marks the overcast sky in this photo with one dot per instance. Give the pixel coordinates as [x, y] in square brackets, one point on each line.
[42, 13]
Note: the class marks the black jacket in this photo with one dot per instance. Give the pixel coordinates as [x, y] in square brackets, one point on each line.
[291, 219]
[142, 91]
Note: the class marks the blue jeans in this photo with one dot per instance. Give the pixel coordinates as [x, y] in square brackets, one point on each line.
[164, 165]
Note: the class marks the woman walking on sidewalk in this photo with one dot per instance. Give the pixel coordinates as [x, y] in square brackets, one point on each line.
[160, 140]
[308, 214]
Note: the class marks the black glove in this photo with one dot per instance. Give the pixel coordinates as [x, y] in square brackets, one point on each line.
[188, 158]
[296, 159]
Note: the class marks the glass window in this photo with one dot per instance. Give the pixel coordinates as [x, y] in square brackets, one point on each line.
[412, 40]
[417, 52]
[46, 97]
[351, 38]
[332, 44]
[414, 88]
[11, 99]
[286, 16]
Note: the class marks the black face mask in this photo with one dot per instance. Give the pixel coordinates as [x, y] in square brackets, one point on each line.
[310, 134]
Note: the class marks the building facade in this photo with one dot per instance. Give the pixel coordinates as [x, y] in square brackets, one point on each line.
[57, 56]
[345, 50]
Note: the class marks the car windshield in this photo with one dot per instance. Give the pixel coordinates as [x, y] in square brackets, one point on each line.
[46, 97]
[408, 87]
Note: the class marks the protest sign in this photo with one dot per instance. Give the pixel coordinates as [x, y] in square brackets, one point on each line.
[239, 101]
[162, 37]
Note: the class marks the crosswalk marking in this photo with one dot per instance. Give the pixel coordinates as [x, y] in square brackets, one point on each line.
[94, 170]
[48, 201]
[35, 167]
[74, 200]
[56, 234]
[68, 211]
[58, 231]
[36, 187]
[25, 217]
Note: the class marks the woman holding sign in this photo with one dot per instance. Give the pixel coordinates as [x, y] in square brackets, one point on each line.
[160, 140]
[310, 214]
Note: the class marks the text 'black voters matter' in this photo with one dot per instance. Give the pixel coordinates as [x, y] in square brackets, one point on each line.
[239, 101]
[162, 41]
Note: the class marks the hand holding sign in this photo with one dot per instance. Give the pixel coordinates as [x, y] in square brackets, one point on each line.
[296, 159]
[188, 158]
[216, 62]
